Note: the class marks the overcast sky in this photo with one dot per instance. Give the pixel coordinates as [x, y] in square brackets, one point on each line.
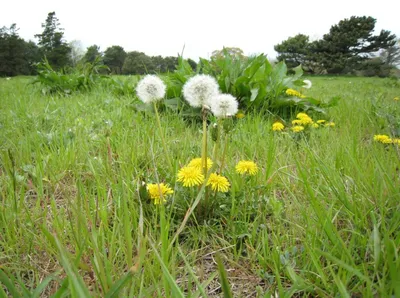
[159, 27]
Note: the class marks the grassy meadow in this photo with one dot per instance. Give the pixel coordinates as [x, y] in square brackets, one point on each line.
[321, 218]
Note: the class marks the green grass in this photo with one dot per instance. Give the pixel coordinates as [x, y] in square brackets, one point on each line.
[320, 219]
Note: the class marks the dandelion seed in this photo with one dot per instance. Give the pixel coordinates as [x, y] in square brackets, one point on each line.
[198, 163]
[200, 89]
[218, 183]
[150, 89]
[224, 105]
[190, 176]
[246, 167]
[297, 128]
[158, 192]
[277, 126]
[307, 84]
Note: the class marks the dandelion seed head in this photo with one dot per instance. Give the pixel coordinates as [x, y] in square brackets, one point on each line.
[150, 89]
[224, 105]
[200, 90]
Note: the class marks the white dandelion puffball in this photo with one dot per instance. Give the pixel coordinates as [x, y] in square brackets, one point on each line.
[150, 89]
[307, 84]
[200, 89]
[224, 105]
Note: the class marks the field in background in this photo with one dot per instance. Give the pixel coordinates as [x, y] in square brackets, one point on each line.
[320, 219]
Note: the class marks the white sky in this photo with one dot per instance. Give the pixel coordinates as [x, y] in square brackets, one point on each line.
[159, 27]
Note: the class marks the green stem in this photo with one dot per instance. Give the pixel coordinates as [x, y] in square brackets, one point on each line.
[224, 153]
[162, 136]
[204, 156]
[218, 140]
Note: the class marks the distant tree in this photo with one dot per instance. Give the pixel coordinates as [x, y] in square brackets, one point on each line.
[114, 58]
[349, 43]
[91, 53]
[17, 57]
[77, 52]
[192, 64]
[294, 51]
[137, 63]
[232, 51]
[391, 55]
[51, 42]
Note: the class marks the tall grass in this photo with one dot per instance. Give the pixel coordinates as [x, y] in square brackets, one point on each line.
[321, 218]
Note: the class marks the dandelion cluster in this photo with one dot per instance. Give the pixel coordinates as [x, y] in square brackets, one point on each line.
[218, 183]
[385, 139]
[150, 89]
[277, 126]
[246, 167]
[200, 90]
[292, 92]
[158, 192]
[224, 105]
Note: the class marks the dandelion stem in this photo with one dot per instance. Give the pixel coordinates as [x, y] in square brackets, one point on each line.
[162, 136]
[224, 153]
[204, 155]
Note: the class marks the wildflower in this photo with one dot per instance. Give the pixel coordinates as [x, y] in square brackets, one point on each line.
[314, 125]
[224, 105]
[158, 192]
[387, 141]
[200, 89]
[381, 138]
[293, 92]
[307, 84]
[150, 89]
[297, 128]
[246, 166]
[396, 141]
[321, 121]
[240, 115]
[302, 115]
[396, 98]
[190, 176]
[330, 124]
[277, 126]
[198, 163]
[218, 183]
[296, 122]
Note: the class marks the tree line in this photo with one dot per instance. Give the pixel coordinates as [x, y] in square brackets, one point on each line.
[350, 47]
[19, 57]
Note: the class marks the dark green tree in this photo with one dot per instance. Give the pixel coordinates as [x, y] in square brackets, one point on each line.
[91, 53]
[294, 50]
[191, 62]
[391, 55]
[349, 43]
[51, 42]
[114, 58]
[17, 57]
[138, 63]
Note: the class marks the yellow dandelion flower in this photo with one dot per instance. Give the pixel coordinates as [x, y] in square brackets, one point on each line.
[315, 125]
[277, 126]
[297, 128]
[296, 122]
[396, 98]
[158, 192]
[306, 121]
[330, 124]
[396, 141]
[246, 166]
[381, 138]
[218, 183]
[292, 92]
[190, 176]
[302, 115]
[198, 163]
[321, 121]
[240, 115]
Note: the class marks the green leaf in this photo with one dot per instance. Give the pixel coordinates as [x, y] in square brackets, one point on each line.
[119, 285]
[254, 93]
[226, 289]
